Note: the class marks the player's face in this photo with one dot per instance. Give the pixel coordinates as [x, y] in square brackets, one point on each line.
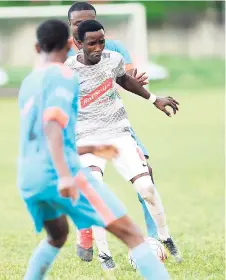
[93, 46]
[78, 17]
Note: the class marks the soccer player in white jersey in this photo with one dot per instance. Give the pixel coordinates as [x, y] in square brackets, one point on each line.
[102, 117]
[77, 13]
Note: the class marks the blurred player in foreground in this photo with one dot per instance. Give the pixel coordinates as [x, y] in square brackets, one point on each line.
[77, 13]
[50, 179]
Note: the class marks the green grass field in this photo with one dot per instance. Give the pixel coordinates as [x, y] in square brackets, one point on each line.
[187, 155]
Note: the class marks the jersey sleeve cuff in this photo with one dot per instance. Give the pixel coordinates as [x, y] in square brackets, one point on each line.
[56, 114]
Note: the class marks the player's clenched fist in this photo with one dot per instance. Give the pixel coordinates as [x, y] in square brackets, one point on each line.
[67, 187]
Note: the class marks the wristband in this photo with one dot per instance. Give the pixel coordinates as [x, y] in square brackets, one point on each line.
[152, 98]
[66, 182]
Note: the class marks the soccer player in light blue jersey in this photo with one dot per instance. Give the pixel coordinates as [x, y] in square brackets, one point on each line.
[79, 12]
[51, 181]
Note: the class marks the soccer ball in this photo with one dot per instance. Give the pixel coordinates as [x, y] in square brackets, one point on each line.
[157, 249]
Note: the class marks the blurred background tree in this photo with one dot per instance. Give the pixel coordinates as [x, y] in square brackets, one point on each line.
[157, 11]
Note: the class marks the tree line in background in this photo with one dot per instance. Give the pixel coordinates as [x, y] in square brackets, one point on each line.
[157, 11]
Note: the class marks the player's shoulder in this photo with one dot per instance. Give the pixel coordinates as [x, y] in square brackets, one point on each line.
[59, 71]
[27, 86]
[71, 61]
[28, 81]
[63, 80]
[113, 45]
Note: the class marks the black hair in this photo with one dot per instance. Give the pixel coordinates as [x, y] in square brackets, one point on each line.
[88, 26]
[80, 6]
[52, 35]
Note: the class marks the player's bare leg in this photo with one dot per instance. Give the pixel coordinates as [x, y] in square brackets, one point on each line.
[48, 249]
[105, 257]
[148, 265]
[145, 187]
[85, 238]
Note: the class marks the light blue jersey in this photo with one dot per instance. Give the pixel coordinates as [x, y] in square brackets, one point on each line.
[48, 93]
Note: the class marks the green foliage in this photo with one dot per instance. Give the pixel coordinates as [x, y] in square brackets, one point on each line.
[159, 10]
[190, 73]
[156, 10]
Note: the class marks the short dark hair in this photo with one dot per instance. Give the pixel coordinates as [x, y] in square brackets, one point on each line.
[80, 6]
[88, 26]
[52, 35]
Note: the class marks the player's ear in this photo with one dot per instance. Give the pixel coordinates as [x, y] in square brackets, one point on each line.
[79, 42]
[37, 47]
[69, 22]
[68, 45]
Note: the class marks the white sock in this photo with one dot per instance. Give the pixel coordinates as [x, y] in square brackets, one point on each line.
[145, 187]
[100, 236]
[99, 233]
[157, 212]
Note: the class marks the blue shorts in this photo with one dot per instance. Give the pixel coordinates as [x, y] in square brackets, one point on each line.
[140, 145]
[96, 205]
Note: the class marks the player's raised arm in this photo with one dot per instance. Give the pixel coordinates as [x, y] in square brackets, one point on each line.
[132, 85]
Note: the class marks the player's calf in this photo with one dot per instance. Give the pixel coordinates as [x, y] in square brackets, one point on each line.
[148, 265]
[48, 249]
[145, 187]
[147, 191]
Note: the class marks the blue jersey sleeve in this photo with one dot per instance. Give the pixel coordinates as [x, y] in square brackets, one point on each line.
[71, 52]
[117, 46]
[61, 96]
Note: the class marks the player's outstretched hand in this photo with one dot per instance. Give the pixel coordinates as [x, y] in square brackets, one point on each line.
[142, 78]
[105, 151]
[162, 102]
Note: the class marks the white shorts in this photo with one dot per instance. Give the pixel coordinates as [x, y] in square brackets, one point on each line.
[130, 162]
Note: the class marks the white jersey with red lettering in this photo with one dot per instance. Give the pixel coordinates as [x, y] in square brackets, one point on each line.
[101, 112]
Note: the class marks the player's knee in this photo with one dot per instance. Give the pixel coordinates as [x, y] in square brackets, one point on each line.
[58, 241]
[57, 231]
[126, 231]
[145, 187]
